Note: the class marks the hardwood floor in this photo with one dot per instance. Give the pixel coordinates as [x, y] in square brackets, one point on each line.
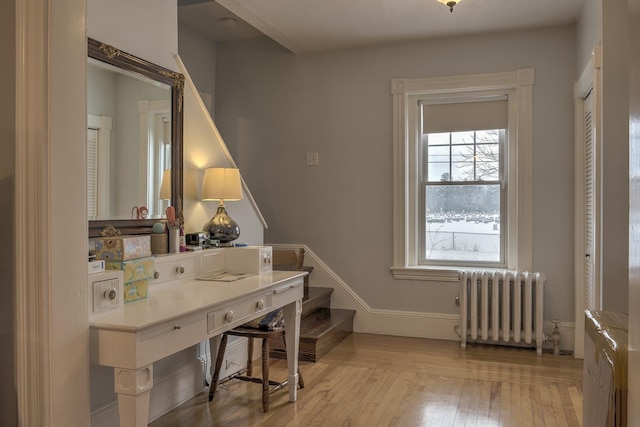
[374, 380]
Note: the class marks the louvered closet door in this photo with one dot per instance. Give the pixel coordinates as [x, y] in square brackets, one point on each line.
[591, 293]
[92, 173]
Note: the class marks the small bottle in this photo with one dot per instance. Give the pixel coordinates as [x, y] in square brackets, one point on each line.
[183, 242]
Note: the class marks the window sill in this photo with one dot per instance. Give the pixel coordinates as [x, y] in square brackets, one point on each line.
[429, 274]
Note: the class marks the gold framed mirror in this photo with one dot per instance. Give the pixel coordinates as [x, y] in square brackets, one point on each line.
[134, 142]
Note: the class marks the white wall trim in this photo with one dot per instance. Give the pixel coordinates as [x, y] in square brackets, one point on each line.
[396, 322]
[589, 81]
[32, 215]
[215, 131]
[518, 85]
[413, 324]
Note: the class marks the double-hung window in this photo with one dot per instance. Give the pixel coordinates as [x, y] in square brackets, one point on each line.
[462, 174]
[463, 197]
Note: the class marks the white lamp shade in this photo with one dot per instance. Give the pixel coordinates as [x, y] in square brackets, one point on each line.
[222, 184]
[165, 186]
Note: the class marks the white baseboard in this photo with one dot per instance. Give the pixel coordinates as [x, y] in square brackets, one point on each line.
[105, 416]
[411, 324]
[172, 391]
[442, 326]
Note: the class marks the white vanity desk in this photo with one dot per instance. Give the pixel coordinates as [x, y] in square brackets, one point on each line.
[181, 312]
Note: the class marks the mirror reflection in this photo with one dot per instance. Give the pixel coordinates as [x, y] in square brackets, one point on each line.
[128, 144]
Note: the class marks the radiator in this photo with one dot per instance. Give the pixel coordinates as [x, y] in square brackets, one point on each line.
[501, 307]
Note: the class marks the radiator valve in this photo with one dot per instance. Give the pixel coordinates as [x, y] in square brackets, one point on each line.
[555, 337]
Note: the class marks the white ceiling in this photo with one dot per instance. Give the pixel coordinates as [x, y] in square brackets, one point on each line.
[320, 25]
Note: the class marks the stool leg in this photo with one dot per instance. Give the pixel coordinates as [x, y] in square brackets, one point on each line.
[216, 372]
[265, 375]
[250, 357]
[300, 380]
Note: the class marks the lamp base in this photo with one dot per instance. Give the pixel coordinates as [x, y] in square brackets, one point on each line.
[222, 227]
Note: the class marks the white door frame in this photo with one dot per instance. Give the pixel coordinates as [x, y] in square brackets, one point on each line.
[51, 326]
[589, 82]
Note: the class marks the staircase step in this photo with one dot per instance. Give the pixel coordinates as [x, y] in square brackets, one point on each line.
[315, 299]
[319, 333]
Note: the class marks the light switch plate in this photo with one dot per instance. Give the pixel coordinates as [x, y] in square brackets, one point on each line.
[313, 159]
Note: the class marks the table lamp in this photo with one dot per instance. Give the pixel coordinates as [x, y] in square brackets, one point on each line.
[222, 184]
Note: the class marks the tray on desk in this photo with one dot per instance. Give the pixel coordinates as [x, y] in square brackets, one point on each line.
[224, 276]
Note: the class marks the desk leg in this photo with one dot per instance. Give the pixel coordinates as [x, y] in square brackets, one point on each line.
[133, 387]
[214, 346]
[292, 321]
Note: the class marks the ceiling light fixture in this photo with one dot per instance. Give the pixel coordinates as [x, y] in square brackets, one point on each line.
[449, 3]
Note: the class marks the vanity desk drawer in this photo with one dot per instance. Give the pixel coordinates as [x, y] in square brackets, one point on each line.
[289, 292]
[173, 267]
[163, 340]
[238, 313]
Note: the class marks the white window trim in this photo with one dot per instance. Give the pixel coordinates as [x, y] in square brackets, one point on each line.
[519, 85]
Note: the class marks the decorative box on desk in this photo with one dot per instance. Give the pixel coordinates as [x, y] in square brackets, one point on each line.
[137, 273]
[134, 291]
[123, 248]
[248, 259]
[133, 269]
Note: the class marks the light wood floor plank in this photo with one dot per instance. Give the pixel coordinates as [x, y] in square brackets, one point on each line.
[505, 403]
[576, 400]
[529, 417]
[494, 403]
[545, 406]
[557, 405]
[373, 380]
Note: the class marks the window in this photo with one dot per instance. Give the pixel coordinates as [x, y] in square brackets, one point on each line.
[462, 174]
[462, 197]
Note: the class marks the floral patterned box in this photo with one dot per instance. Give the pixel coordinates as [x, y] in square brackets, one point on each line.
[134, 269]
[123, 248]
[134, 291]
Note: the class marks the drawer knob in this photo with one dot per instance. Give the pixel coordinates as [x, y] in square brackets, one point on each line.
[177, 328]
[260, 304]
[229, 316]
[156, 274]
[180, 269]
[110, 294]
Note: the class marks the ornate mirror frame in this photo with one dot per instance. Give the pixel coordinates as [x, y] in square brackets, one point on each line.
[125, 61]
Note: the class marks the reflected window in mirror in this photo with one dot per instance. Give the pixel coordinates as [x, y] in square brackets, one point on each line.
[127, 162]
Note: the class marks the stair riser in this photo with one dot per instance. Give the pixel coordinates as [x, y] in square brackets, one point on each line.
[312, 306]
[312, 349]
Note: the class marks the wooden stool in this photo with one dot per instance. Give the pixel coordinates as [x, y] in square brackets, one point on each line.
[251, 333]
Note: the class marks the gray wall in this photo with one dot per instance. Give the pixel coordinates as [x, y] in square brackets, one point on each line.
[202, 67]
[272, 107]
[588, 32]
[615, 157]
